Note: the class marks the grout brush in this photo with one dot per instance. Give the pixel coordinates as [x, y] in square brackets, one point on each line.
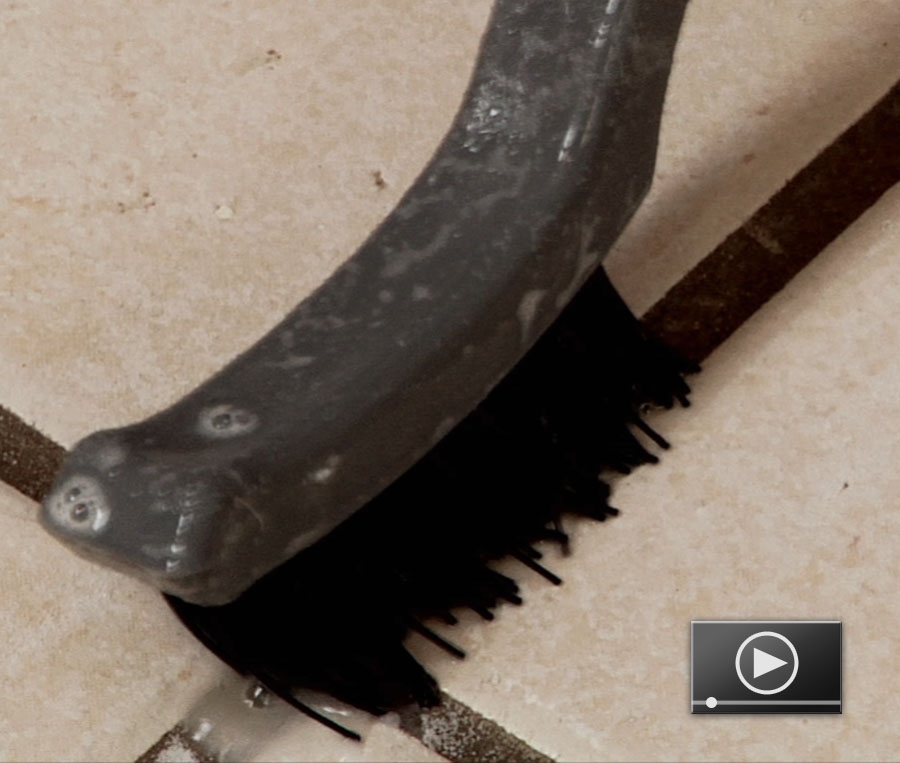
[440, 402]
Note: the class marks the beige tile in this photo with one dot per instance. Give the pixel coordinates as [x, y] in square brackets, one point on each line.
[172, 187]
[93, 666]
[757, 90]
[778, 500]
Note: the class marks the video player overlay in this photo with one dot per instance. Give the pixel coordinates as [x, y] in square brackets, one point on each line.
[766, 666]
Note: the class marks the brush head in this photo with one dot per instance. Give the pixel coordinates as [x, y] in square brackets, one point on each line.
[358, 469]
[334, 618]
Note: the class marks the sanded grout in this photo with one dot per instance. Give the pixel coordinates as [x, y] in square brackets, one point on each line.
[459, 733]
[176, 745]
[699, 313]
[758, 259]
[28, 459]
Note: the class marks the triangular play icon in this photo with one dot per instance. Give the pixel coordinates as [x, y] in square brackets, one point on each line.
[763, 662]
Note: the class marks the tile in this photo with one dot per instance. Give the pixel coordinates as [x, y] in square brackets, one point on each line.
[756, 91]
[776, 502]
[93, 666]
[180, 175]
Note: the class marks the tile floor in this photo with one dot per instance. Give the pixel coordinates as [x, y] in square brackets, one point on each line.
[162, 166]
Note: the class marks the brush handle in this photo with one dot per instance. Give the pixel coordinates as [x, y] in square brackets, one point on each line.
[552, 151]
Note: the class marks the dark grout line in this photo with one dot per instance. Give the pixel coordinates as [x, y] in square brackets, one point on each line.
[28, 459]
[699, 313]
[756, 261]
[176, 745]
[459, 733]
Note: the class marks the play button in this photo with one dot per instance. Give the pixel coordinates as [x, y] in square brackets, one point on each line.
[768, 661]
[763, 662]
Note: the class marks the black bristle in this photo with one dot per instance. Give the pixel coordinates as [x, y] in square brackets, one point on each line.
[334, 617]
[529, 562]
[434, 638]
[284, 692]
[660, 441]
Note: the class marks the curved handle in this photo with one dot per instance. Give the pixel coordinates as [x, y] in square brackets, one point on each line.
[549, 156]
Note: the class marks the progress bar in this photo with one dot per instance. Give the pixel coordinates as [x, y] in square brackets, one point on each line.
[770, 702]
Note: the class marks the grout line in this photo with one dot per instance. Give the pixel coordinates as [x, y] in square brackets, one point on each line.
[699, 313]
[28, 459]
[176, 745]
[756, 261]
[459, 733]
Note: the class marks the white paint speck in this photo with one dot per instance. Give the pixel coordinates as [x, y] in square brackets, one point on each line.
[602, 34]
[224, 212]
[324, 473]
[184, 524]
[568, 140]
